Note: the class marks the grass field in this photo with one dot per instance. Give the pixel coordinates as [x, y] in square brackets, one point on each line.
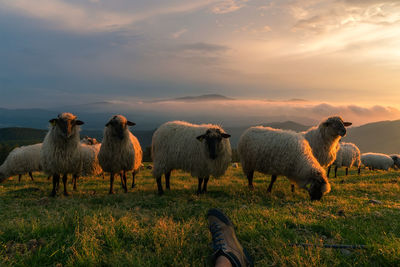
[140, 228]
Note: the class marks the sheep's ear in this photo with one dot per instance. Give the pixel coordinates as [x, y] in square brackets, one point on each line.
[108, 123]
[130, 123]
[201, 137]
[53, 122]
[225, 135]
[347, 124]
[78, 122]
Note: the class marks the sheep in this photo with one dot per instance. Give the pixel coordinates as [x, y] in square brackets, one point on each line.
[60, 152]
[21, 160]
[347, 156]
[282, 152]
[377, 161]
[90, 161]
[235, 165]
[396, 159]
[324, 139]
[120, 151]
[202, 150]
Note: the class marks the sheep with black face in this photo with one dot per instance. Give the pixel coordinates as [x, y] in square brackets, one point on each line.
[120, 151]
[60, 152]
[202, 150]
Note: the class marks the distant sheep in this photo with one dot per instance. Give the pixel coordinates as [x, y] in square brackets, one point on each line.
[280, 152]
[235, 165]
[325, 137]
[21, 160]
[396, 159]
[377, 161]
[89, 140]
[120, 150]
[202, 150]
[348, 156]
[60, 152]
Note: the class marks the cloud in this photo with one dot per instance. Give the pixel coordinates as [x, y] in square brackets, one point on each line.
[204, 47]
[228, 6]
[178, 34]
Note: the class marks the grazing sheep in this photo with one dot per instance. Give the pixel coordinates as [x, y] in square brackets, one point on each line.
[235, 165]
[60, 152]
[280, 152]
[377, 161]
[90, 161]
[324, 139]
[202, 150]
[21, 160]
[396, 159]
[347, 156]
[120, 151]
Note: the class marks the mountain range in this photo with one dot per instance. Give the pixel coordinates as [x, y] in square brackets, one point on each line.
[383, 137]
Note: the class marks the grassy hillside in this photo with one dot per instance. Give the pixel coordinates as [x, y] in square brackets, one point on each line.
[92, 228]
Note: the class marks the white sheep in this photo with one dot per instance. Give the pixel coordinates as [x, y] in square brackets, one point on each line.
[396, 159]
[281, 152]
[202, 150]
[21, 160]
[60, 152]
[120, 151]
[348, 156]
[377, 161]
[325, 137]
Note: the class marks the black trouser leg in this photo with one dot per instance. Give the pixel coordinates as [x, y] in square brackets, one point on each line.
[273, 179]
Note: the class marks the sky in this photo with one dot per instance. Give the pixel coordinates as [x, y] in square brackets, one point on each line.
[339, 52]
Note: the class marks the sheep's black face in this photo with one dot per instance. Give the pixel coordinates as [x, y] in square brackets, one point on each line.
[66, 125]
[212, 139]
[315, 191]
[336, 126]
[118, 125]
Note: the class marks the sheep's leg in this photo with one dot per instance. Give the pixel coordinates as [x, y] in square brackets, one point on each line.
[74, 178]
[205, 185]
[199, 186]
[30, 174]
[125, 187]
[250, 175]
[133, 179]
[273, 179]
[335, 171]
[292, 185]
[48, 177]
[159, 186]
[167, 176]
[64, 179]
[19, 177]
[329, 170]
[112, 183]
[359, 170]
[347, 171]
[56, 178]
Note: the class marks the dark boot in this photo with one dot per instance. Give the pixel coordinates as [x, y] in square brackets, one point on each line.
[224, 240]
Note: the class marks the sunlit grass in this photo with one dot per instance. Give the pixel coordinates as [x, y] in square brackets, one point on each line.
[142, 229]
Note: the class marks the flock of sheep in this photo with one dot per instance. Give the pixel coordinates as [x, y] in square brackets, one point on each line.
[202, 150]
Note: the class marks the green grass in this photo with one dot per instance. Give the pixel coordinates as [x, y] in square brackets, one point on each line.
[92, 228]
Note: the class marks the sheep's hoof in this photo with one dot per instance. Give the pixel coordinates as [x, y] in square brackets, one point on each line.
[111, 192]
[251, 187]
[160, 193]
[66, 194]
[133, 186]
[53, 194]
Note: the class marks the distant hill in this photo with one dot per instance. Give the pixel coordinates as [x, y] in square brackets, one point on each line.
[18, 133]
[383, 137]
[208, 97]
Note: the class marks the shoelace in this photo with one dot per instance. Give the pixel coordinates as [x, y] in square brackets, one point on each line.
[216, 234]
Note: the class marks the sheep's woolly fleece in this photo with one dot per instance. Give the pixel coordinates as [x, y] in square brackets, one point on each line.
[175, 146]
